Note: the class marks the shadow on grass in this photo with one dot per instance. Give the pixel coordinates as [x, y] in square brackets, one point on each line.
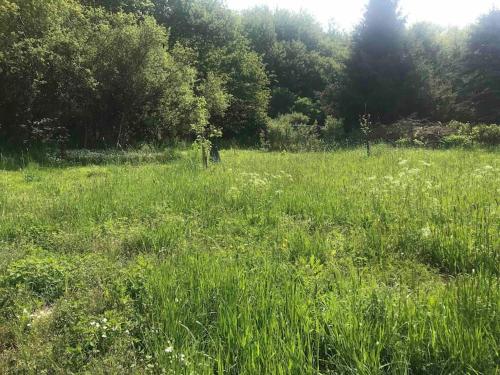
[16, 160]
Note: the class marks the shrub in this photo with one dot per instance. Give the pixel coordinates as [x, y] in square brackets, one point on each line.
[309, 108]
[46, 277]
[461, 127]
[486, 134]
[457, 140]
[85, 334]
[282, 101]
[482, 134]
[404, 142]
[334, 130]
[291, 132]
[98, 78]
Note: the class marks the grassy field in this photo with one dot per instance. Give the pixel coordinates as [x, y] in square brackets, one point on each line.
[268, 263]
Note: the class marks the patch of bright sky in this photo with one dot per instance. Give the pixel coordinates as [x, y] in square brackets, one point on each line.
[347, 13]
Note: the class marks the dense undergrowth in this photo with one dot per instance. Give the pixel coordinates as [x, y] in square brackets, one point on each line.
[268, 263]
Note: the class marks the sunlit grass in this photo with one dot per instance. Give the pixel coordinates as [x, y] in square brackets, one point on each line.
[287, 263]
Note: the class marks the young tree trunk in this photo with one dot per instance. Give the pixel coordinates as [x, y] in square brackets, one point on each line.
[204, 158]
[214, 154]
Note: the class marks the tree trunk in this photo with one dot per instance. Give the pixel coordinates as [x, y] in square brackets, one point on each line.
[204, 158]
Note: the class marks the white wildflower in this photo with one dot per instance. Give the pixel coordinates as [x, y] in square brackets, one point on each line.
[426, 232]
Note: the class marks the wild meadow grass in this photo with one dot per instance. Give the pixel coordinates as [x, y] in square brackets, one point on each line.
[268, 263]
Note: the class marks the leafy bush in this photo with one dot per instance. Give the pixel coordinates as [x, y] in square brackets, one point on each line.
[404, 142]
[486, 134]
[46, 277]
[457, 140]
[282, 101]
[461, 127]
[308, 107]
[334, 130]
[100, 78]
[96, 323]
[411, 132]
[482, 134]
[291, 132]
[85, 334]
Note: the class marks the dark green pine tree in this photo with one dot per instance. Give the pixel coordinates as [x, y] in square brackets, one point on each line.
[480, 97]
[377, 74]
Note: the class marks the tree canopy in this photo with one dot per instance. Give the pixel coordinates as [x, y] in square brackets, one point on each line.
[101, 73]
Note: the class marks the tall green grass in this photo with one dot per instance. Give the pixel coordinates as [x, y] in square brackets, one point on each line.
[277, 263]
[247, 314]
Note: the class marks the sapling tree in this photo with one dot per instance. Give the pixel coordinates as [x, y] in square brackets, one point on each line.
[205, 132]
[365, 125]
[213, 103]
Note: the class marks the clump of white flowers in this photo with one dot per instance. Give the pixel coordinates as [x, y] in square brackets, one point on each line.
[426, 232]
[253, 181]
[173, 355]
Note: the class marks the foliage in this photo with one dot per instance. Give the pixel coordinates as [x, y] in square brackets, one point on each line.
[334, 130]
[117, 73]
[282, 101]
[404, 142]
[365, 126]
[132, 6]
[481, 70]
[378, 69]
[457, 140]
[104, 78]
[220, 50]
[436, 55]
[46, 277]
[300, 58]
[310, 108]
[487, 134]
[414, 132]
[293, 132]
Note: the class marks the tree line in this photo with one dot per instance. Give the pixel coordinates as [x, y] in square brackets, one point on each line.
[106, 73]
